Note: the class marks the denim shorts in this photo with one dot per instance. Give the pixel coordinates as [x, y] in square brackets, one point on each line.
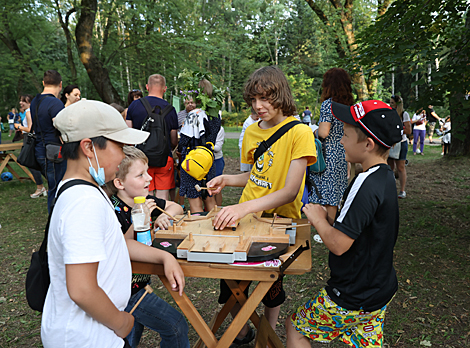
[403, 150]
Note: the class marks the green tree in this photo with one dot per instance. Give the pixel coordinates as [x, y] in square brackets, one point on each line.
[341, 18]
[431, 40]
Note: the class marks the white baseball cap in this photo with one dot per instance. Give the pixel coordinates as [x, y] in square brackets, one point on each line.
[92, 118]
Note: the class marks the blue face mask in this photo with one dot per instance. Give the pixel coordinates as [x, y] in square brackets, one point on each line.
[98, 177]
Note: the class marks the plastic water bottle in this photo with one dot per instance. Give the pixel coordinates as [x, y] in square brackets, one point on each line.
[141, 220]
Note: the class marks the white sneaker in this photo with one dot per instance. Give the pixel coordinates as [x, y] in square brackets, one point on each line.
[442, 153]
[402, 194]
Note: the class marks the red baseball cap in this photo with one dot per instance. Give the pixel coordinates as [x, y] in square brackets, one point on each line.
[375, 118]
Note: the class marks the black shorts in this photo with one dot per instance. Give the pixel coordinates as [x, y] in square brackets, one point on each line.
[273, 298]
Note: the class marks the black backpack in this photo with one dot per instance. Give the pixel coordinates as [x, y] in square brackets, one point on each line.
[156, 146]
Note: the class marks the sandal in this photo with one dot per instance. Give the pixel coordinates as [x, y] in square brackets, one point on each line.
[37, 194]
[250, 336]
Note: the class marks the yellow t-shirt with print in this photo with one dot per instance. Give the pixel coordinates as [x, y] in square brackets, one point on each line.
[270, 170]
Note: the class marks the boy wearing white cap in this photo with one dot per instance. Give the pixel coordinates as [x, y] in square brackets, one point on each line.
[89, 261]
[360, 239]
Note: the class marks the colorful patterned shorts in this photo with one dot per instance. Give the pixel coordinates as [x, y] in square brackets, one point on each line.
[320, 319]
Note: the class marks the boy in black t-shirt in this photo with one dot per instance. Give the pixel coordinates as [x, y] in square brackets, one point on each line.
[132, 180]
[361, 239]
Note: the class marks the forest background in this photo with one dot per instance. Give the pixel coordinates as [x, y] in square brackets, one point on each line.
[417, 49]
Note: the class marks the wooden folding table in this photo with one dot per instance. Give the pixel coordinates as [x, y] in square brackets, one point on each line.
[8, 156]
[266, 276]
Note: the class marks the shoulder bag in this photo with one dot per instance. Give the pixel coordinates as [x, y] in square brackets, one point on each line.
[27, 156]
[37, 278]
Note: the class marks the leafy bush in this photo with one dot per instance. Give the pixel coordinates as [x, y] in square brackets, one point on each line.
[234, 119]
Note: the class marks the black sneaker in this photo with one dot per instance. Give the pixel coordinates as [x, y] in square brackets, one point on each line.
[250, 336]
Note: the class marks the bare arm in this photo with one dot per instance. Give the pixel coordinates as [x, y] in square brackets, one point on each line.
[28, 122]
[323, 129]
[407, 125]
[163, 220]
[335, 240]
[83, 289]
[237, 180]
[287, 194]
[173, 138]
[129, 123]
[144, 253]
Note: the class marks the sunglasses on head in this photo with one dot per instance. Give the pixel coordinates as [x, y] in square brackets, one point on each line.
[136, 90]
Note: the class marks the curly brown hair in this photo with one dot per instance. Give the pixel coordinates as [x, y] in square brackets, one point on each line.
[337, 86]
[271, 83]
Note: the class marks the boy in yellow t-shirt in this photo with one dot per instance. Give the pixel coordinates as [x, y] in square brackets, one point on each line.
[276, 181]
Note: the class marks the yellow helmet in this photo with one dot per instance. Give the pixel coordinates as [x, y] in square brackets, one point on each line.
[198, 162]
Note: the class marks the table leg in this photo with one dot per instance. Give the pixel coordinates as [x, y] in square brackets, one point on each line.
[192, 314]
[5, 158]
[241, 299]
[219, 317]
[245, 312]
[266, 335]
[25, 169]
[271, 337]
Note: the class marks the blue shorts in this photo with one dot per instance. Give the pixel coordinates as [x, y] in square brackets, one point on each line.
[219, 166]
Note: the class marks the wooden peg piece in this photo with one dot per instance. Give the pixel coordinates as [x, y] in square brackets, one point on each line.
[164, 212]
[148, 289]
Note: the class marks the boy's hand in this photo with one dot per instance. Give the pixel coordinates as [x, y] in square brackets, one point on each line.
[228, 216]
[174, 273]
[218, 182]
[163, 221]
[127, 325]
[315, 213]
[151, 204]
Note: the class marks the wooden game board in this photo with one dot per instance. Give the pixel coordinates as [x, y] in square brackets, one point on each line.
[253, 237]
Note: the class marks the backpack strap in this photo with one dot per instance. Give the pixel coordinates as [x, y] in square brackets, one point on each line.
[266, 144]
[149, 110]
[68, 184]
[37, 118]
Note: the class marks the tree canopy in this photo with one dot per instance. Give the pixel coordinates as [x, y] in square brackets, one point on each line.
[111, 47]
[429, 39]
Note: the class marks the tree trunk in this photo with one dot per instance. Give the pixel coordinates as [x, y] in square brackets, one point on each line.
[96, 71]
[68, 38]
[223, 80]
[459, 110]
[229, 97]
[346, 19]
[460, 116]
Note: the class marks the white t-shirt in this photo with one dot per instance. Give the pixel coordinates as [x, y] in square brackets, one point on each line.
[446, 137]
[406, 118]
[193, 126]
[219, 143]
[84, 229]
[24, 123]
[248, 122]
[422, 117]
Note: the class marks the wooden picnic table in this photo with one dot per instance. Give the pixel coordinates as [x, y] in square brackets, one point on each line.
[8, 156]
[266, 276]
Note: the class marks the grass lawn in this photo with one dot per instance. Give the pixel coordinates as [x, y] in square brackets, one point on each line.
[430, 309]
